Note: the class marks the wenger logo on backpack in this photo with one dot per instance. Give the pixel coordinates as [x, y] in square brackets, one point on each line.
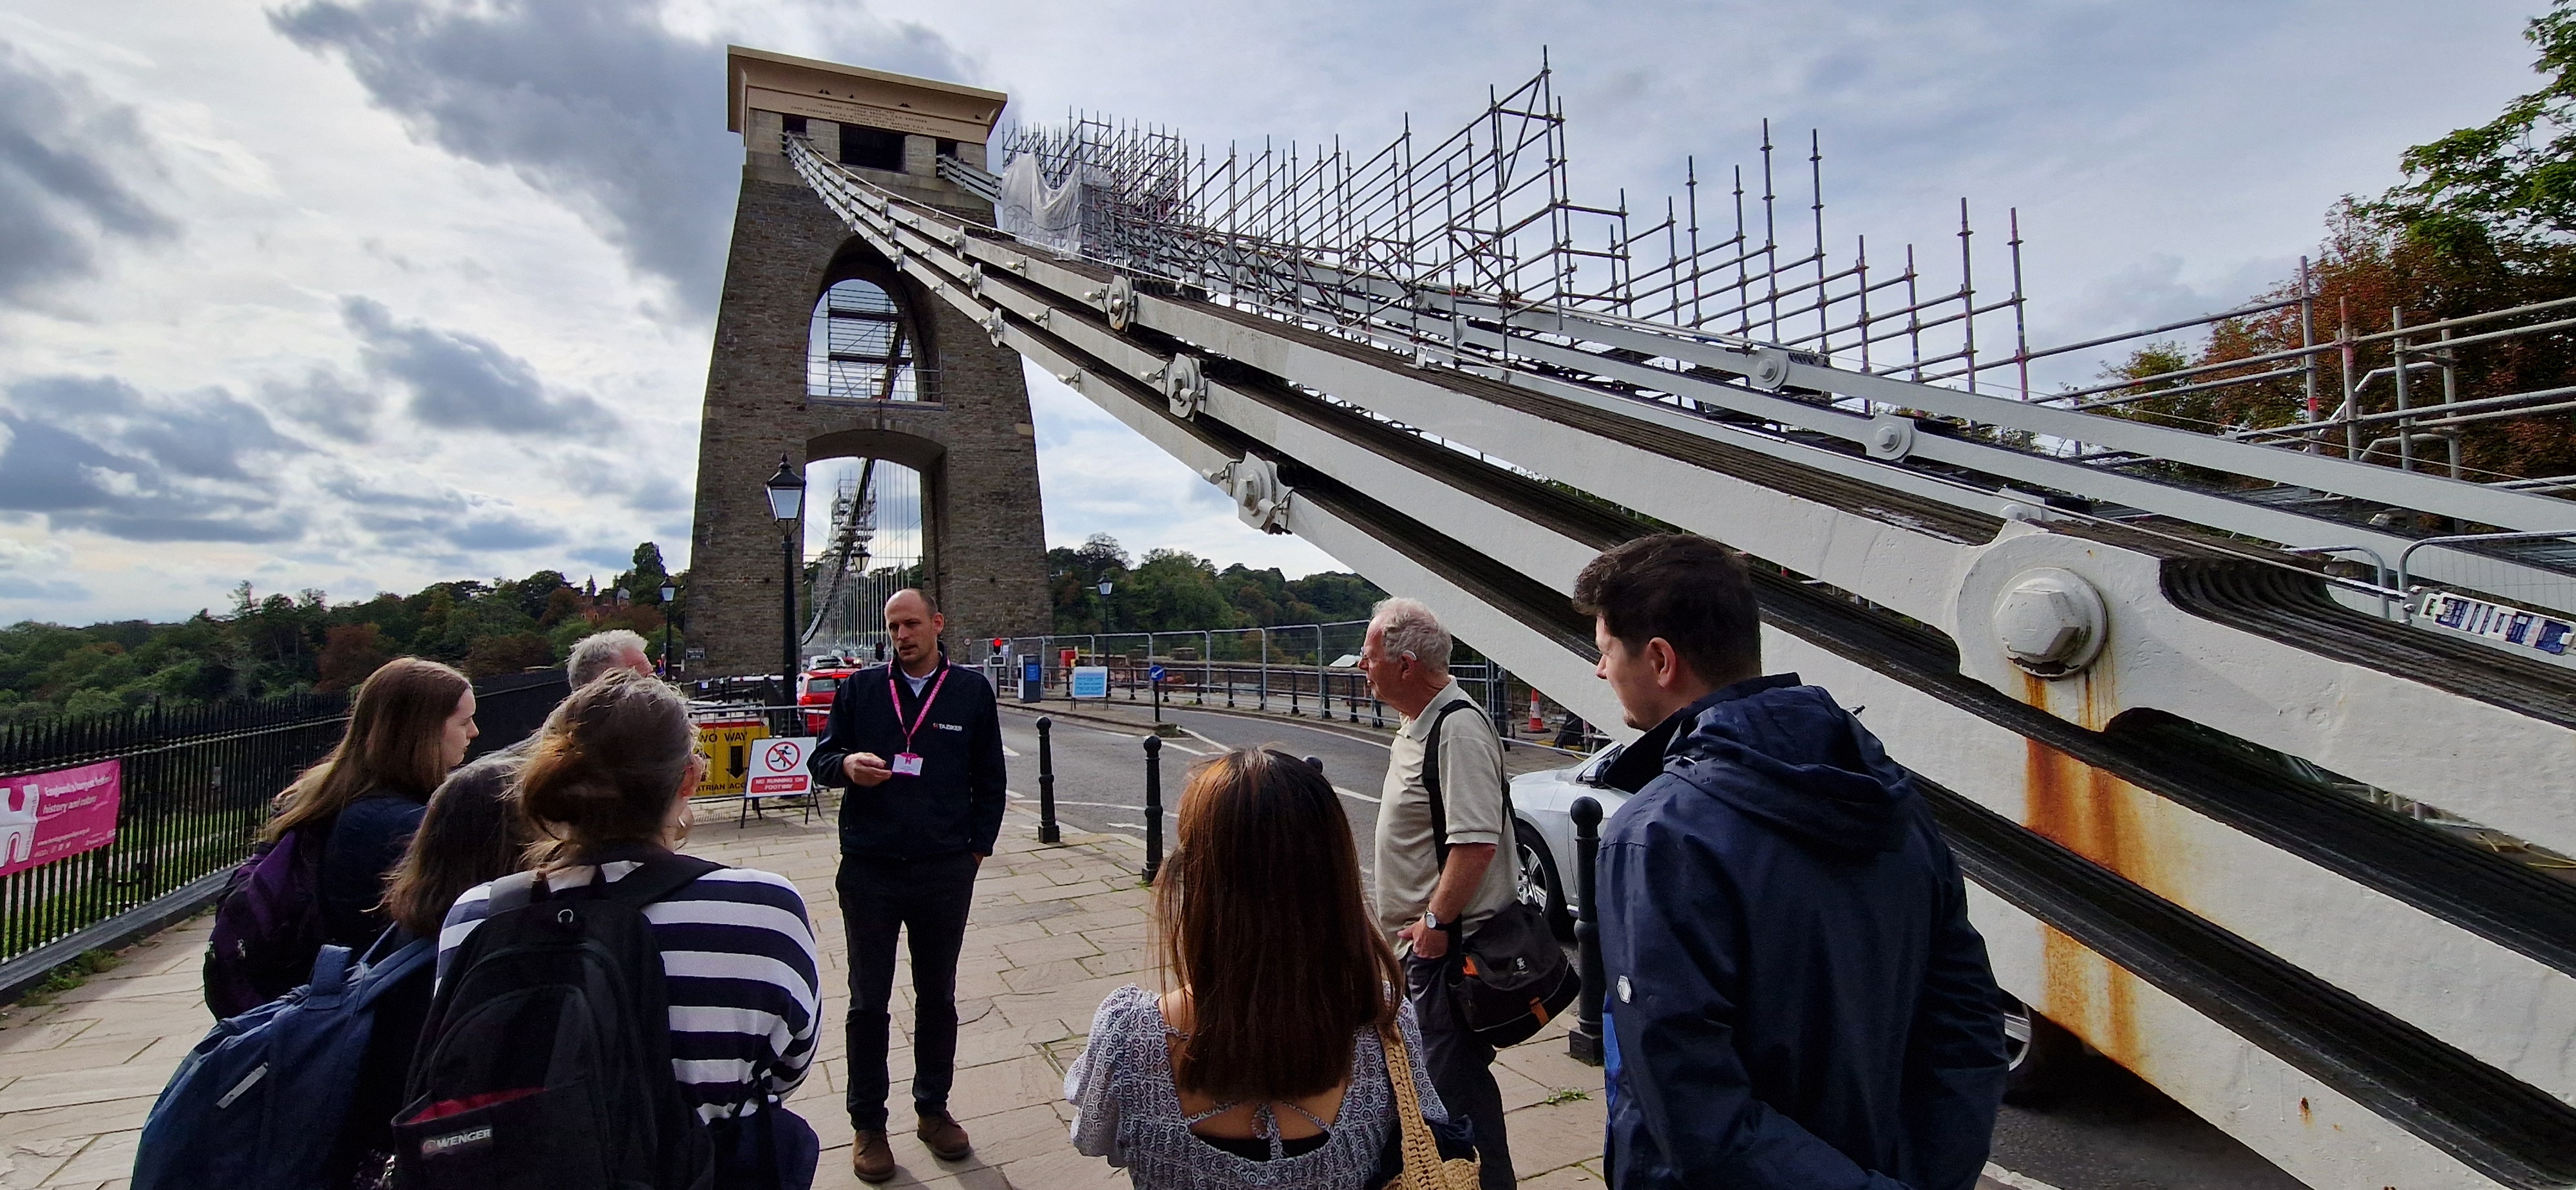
[1513, 977]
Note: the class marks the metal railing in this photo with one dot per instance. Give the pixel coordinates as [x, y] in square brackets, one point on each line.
[195, 784]
[1304, 670]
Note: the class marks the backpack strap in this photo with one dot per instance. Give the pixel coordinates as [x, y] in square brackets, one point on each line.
[1431, 777]
[657, 878]
[514, 890]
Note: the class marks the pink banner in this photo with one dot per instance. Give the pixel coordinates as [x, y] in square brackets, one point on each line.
[46, 816]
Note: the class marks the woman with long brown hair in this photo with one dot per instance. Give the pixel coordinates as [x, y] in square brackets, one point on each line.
[1263, 1064]
[409, 725]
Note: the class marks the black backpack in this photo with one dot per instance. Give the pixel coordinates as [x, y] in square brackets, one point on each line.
[1512, 977]
[546, 1059]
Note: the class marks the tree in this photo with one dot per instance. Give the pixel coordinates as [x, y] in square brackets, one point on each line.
[508, 654]
[349, 653]
[2512, 178]
[642, 580]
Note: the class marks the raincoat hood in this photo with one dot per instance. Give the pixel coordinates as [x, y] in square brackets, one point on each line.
[1814, 773]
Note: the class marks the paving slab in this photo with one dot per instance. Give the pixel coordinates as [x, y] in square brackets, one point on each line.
[1054, 930]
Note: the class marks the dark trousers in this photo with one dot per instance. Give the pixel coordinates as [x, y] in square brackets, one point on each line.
[1462, 1068]
[772, 1149]
[927, 899]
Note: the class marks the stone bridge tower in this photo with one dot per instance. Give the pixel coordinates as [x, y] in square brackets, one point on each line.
[960, 417]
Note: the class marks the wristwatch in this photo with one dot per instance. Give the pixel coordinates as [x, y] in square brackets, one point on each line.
[1431, 921]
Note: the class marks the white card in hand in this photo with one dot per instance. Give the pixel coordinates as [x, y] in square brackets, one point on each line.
[907, 764]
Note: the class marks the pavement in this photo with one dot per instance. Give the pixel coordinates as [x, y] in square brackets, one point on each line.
[1055, 930]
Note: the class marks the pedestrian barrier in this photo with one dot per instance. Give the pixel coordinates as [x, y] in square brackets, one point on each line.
[1584, 1044]
[1047, 830]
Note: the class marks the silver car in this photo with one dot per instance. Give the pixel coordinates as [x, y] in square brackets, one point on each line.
[1544, 803]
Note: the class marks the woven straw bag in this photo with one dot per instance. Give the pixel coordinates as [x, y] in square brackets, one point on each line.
[1423, 1168]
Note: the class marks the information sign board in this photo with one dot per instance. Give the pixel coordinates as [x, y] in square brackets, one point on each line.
[47, 816]
[728, 744]
[1091, 681]
[780, 771]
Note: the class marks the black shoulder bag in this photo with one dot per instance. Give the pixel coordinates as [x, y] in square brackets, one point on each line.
[1513, 977]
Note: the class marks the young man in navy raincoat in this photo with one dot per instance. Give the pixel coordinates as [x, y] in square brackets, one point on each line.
[1795, 997]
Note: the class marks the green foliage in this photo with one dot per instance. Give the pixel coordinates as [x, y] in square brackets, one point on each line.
[2510, 180]
[1173, 591]
[279, 644]
[70, 975]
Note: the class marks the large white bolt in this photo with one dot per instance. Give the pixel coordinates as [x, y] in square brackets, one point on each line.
[2050, 622]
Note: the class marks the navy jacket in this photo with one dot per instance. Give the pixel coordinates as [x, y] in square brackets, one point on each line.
[1795, 995]
[365, 843]
[955, 804]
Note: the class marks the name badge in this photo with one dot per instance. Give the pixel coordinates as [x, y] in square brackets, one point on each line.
[907, 764]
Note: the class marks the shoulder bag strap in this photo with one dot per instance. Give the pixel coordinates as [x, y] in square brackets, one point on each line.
[1421, 1150]
[1431, 778]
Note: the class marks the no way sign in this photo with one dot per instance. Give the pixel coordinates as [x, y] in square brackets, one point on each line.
[781, 768]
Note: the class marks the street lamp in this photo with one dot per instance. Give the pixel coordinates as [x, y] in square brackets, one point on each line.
[670, 591]
[786, 505]
[1104, 587]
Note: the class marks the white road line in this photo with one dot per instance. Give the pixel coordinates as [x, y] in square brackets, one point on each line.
[2014, 1180]
[1008, 750]
[1355, 796]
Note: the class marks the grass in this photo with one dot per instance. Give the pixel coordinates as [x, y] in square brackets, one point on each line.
[1566, 1095]
[70, 975]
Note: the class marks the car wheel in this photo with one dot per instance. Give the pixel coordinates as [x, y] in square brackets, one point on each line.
[1539, 886]
[2038, 1057]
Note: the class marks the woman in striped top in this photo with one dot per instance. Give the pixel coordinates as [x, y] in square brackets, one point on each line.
[608, 785]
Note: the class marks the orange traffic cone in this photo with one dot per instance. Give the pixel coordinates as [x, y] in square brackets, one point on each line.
[1537, 723]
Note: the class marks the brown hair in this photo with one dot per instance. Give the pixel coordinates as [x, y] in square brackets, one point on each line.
[472, 833]
[1261, 918]
[395, 742]
[606, 766]
[1685, 588]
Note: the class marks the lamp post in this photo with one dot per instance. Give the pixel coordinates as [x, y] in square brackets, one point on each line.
[670, 591]
[786, 505]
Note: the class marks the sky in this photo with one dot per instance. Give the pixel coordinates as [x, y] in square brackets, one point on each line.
[356, 295]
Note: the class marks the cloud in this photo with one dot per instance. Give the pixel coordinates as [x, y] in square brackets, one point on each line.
[330, 403]
[59, 194]
[93, 453]
[596, 103]
[461, 381]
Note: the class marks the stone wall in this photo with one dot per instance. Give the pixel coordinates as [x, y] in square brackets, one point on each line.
[974, 446]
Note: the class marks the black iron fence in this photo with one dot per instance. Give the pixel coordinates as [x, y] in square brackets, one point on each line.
[195, 785]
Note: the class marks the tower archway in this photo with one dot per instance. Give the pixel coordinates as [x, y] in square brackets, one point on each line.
[824, 350]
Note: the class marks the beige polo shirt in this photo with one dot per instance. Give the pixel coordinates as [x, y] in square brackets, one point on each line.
[1474, 799]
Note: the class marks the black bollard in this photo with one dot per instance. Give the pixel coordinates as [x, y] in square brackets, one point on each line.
[1315, 762]
[1047, 832]
[1154, 810]
[1583, 1044]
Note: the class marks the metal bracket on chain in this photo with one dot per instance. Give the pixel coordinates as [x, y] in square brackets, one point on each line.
[975, 278]
[994, 326]
[1770, 369]
[1185, 385]
[1259, 498]
[1119, 302]
[1891, 436]
[895, 255]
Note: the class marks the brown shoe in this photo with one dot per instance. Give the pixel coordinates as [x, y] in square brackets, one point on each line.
[870, 1157]
[945, 1138]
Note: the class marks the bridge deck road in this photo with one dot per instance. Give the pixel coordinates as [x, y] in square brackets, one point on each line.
[1100, 771]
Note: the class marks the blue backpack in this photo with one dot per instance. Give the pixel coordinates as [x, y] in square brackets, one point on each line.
[261, 1102]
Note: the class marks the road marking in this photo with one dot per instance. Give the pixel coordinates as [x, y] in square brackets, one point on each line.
[1008, 750]
[1355, 795]
[2014, 1180]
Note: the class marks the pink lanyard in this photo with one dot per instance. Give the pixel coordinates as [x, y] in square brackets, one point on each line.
[896, 693]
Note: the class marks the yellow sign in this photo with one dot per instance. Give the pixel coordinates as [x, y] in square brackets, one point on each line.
[728, 745]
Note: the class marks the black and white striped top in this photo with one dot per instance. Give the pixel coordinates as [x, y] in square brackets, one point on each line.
[738, 964]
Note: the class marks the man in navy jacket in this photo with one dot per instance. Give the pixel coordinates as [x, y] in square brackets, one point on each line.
[1795, 997]
[917, 744]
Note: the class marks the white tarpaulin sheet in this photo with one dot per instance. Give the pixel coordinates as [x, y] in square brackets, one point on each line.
[1050, 216]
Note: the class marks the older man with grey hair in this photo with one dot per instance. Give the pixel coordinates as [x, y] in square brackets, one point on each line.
[593, 657]
[1435, 884]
